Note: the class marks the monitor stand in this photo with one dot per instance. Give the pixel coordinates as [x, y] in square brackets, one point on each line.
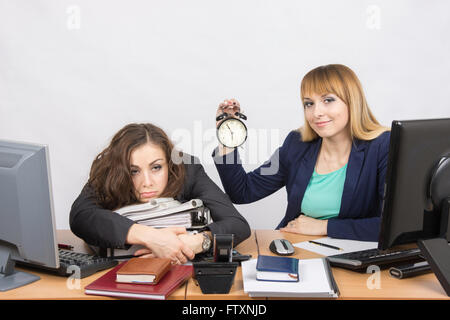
[9, 277]
[437, 251]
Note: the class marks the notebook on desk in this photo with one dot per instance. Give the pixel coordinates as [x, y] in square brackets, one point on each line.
[315, 281]
[106, 285]
[282, 269]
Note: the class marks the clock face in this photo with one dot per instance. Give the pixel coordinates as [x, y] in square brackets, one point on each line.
[232, 133]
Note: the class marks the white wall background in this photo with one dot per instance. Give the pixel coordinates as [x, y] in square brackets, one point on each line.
[72, 73]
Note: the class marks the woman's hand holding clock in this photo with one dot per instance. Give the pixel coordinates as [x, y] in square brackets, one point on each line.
[233, 132]
[230, 106]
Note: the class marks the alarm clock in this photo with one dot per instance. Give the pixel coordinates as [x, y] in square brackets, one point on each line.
[232, 131]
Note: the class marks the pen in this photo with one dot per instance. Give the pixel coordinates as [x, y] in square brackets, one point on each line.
[325, 245]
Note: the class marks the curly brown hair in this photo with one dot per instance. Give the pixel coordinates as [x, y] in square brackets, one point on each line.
[110, 175]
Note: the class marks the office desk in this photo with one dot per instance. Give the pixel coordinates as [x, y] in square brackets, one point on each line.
[55, 287]
[352, 285]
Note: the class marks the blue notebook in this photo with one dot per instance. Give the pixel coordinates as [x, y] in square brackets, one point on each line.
[270, 268]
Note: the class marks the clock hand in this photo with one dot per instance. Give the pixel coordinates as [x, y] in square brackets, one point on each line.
[231, 131]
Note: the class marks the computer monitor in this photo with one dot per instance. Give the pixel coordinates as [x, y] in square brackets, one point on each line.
[27, 227]
[417, 188]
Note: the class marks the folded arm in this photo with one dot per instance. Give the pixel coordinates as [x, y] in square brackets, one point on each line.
[226, 218]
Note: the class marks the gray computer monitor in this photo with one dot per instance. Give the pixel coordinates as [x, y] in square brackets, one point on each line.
[27, 220]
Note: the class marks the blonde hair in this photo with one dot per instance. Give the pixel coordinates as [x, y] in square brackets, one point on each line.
[343, 82]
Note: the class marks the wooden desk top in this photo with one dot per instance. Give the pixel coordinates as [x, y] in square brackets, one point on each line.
[352, 285]
[55, 287]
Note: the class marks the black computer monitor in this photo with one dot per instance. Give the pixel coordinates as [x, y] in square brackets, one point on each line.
[27, 221]
[417, 188]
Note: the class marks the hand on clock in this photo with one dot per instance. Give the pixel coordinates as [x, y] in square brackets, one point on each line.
[231, 131]
[230, 106]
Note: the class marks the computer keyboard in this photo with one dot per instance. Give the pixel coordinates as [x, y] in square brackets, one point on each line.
[75, 263]
[88, 264]
[360, 260]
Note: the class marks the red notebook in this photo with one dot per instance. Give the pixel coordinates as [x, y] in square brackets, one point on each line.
[107, 285]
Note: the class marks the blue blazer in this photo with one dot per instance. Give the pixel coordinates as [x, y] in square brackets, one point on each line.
[292, 166]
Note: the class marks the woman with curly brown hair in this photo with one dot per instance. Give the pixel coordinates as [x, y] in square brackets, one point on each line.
[141, 164]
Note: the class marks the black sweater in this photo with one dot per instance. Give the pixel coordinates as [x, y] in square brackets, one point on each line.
[107, 229]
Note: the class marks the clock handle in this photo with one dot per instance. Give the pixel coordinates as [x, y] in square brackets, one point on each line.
[226, 115]
[222, 116]
[241, 115]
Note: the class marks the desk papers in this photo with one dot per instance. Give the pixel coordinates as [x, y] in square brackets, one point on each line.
[315, 281]
[346, 245]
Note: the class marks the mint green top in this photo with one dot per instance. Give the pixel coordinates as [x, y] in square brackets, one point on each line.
[322, 199]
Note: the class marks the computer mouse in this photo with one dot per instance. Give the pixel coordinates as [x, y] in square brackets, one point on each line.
[282, 247]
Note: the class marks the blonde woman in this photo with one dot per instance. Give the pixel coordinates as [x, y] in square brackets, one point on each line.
[333, 167]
